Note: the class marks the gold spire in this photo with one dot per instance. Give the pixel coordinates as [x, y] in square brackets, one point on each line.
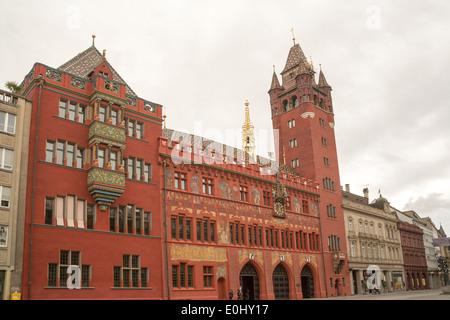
[284, 156]
[104, 54]
[164, 117]
[93, 39]
[247, 124]
[293, 37]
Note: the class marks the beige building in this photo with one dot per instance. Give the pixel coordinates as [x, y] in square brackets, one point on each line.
[15, 113]
[372, 240]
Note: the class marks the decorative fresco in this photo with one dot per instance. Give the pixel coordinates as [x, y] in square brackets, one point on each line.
[256, 196]
[227, 191]
[195, 184]
[314, 209]
[297, 205]
[197, 253]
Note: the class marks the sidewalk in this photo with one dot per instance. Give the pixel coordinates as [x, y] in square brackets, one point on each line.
[430, 294]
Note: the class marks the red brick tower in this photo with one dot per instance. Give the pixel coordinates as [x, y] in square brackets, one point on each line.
[302, 112]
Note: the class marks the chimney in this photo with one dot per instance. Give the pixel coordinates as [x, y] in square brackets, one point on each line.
[366, 193]
[347, 187]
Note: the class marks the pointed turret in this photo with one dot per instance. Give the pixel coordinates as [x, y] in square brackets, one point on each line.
[322, 81]
[275, 83]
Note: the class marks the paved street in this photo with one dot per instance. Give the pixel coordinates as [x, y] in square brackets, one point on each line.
[435, 294]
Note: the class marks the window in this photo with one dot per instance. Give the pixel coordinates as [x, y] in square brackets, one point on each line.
[138, 169]
[80, 157]
[90, 212]
[49, 210]
[72, 111]
[322, 122]
[113, 159]
[305, 206]
[130, 274]
[81, 113]
[147, 172]
[139, 130]
[180, 181]
[112, 219]
[334, 243]
[57, 272]
[147, 223]
[121, 219]
[207, 277]
[130, 166]
[206, 230]
[295, 163]
[69, 211]
[181, 227]
[5, 196]
[102, 113]
[331, 211]
[293, 143]
[49, 151]
[324, 142]
[114, 116]
[70, 154]
[60, 148]
[62, 108]
[130, 218]
[266, 198]
[207, 186]
[101, 157]
[182, 276]
[328, 184]
[6, 159]
[326, 161]
[243, 193]
[131, 124]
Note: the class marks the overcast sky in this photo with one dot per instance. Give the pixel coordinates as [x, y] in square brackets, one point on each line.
[388, 63]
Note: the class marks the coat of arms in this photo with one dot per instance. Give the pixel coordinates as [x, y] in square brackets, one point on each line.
[279, 195]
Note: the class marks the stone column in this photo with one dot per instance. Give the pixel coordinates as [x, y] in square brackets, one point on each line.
[359, 277]
[7, 285]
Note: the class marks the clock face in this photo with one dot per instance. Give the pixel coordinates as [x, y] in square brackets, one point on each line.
[279, 209]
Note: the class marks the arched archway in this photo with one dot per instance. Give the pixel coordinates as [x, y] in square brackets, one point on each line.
[249, 282]
[280, 282]
[307, 281]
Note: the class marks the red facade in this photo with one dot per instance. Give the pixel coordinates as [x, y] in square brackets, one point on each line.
[413, 250]
[92, 199]
[303, 115]
[143, 214]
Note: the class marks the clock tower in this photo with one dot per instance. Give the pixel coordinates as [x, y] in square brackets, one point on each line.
[303, 113]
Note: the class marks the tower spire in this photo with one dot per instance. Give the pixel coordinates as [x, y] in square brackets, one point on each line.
[93, 40]
[293, 36]
[248, 135]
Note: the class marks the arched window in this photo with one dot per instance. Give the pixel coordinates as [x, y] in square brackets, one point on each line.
[294, 102]
[284, 106]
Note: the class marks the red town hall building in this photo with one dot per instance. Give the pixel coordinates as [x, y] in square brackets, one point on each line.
[133, 210]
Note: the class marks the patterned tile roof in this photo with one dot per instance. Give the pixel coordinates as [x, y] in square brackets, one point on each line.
[194, 140]
[322, 81]
[295, 58]
[84, 62]
[275, 83]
